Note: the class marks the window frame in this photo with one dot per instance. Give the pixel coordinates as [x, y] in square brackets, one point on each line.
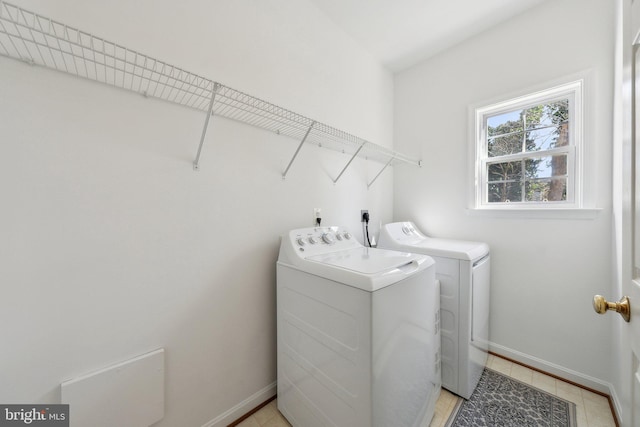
[574, 92]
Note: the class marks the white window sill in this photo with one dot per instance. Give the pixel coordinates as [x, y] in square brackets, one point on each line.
[536, 213]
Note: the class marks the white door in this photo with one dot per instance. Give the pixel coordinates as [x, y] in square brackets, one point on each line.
[631, 228]
[629, 360]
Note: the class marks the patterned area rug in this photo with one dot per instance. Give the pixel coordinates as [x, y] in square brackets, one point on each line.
[501, 401]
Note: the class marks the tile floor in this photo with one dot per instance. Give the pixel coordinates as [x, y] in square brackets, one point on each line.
[592, 410]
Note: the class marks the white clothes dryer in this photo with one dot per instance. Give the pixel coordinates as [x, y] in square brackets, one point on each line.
[463, 269]
[358, 332]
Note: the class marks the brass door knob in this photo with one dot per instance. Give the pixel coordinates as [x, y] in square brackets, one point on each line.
[601, 305]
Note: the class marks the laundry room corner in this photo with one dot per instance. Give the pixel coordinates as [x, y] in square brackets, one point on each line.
[545, 267]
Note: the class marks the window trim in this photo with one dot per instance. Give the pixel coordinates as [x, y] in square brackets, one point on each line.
[571, 88]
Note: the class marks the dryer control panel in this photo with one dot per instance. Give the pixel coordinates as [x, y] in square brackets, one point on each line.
[403, 232]
[404, 236]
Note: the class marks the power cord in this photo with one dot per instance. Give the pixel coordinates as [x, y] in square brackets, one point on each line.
[365, 217]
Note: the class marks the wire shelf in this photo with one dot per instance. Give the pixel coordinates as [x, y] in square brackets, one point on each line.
[39, 40]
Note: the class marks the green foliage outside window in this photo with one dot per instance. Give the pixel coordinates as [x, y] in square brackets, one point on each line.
[528, 178]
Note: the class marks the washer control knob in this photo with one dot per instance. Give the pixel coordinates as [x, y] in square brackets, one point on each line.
[328, 238]
[347, 236]
[406, 230]
[301, 241]
[313, 240]
[339, 236]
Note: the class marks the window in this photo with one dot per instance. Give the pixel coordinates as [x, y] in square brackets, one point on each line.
[527, 150]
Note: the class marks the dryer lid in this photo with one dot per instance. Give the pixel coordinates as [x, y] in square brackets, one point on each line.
[404, 236]
[448, 248]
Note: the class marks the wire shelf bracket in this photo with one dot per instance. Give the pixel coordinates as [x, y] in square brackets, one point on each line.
[349, 162]
[304, 138]
[37, 40]
[379, 173]
[196, 163]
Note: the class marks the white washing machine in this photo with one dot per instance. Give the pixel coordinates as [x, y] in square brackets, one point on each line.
[463, 269]
[358, 333]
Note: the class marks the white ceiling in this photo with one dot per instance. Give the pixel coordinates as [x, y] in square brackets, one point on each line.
[401, 33]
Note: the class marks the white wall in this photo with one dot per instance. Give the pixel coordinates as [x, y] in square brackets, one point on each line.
[111, 245]
[545, 271]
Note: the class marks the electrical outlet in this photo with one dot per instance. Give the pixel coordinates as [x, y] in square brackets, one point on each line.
[362, 215]
[317, 212]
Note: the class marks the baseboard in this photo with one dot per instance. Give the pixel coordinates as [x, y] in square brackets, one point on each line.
[614, 401]
[243, 407]
[556, 370]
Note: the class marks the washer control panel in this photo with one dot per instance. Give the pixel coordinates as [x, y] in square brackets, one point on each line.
[318, 240]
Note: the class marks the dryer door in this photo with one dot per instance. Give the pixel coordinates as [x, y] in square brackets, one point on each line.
[479, 343]
[480, 295]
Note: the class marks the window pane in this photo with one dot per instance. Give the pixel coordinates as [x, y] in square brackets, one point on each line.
[547, 114]
[533, 116]
[557, 112]
[546, 190]
[546, 167]
[543, 138]
[504, 123]
[504, 192]
[503, 145]
[506, 171]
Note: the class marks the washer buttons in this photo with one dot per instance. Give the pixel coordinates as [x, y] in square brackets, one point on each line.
[328, 238]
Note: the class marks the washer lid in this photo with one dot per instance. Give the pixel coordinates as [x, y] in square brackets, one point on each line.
[366, 260]
[368, 269]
